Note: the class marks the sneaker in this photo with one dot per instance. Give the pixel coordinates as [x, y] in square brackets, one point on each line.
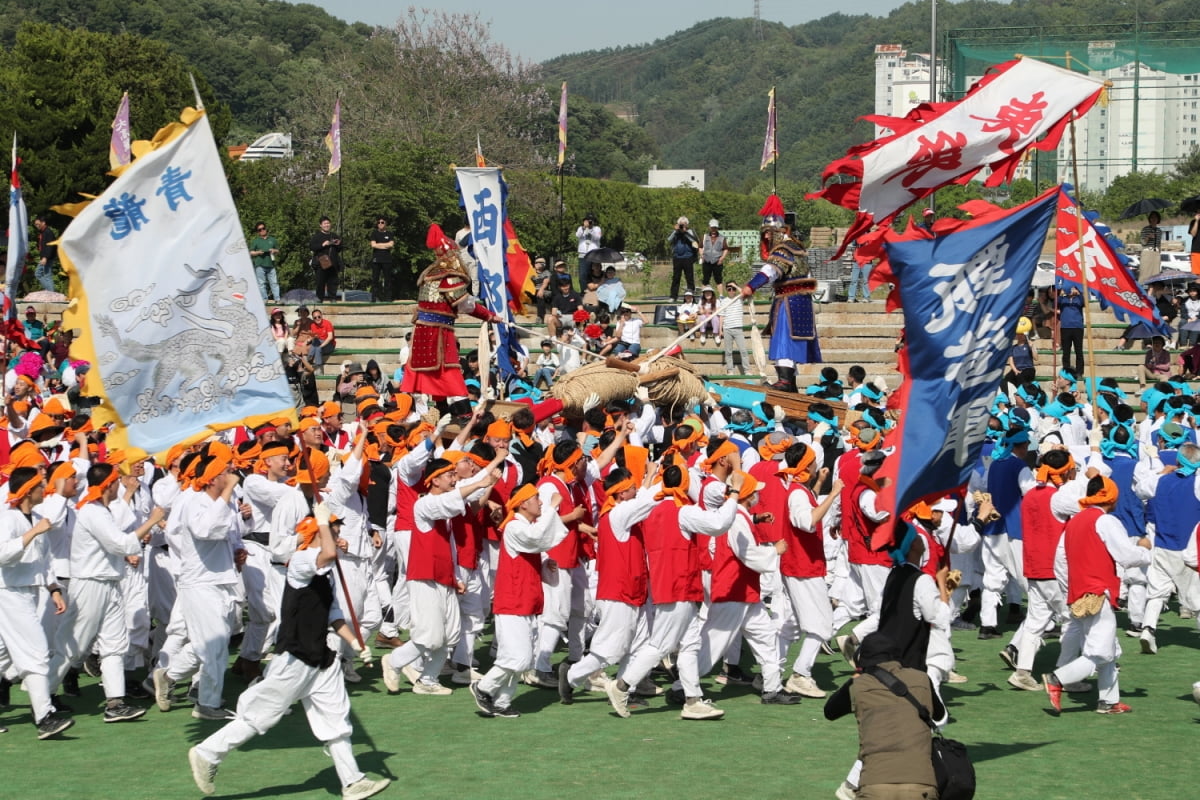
[598, 682]
[465, 676]
[1149, 643]
[91, 665]
[803, 685]
[60, 706]
[1112, 708]
[412, 673]
[989, 632]
[213, 714]
[566, 692]
[70, 683]
[848, 645]
[545, 680]
[349, 673]
[1133, 631]
[431, 688]
[733, 674]
[648, 688]
[676, 697]
[1185, 613]
[483, 700]
[203, 771]
[138, 689]
[364, 787]
[1053, 632]
[1021, 679]
[757, 684]
[52, 725]
[955, 677]
[700, 708]
[529, 678]
[388, 642]
[391, 677]
[508, 712]
[620, 700]
[1054, 690]
[162, 689]
[192, 695]
[1009, 656]
[1196, 691]
[846, 791]
[638, 703]
[1079, 687]
[779, 699]
[717, 341]
[826, 649]
[122, 713]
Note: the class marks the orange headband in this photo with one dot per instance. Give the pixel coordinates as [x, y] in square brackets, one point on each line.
[866, 439]
[749, 485]
[313, 467]
[93, 493]
[726, 448]
[522, 494]
[441, 471]
[63, 470]
[216, 465]
[1106, 495]
[15, 498]
[548, 465]
[500, 429]
[768, 449]
[802, 472]
[1048, 474]
[678, 493]
[454, 456]
[617, 488]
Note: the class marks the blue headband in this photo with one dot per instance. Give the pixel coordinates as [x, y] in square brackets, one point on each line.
[1066, 376]
[900, 552]
[1110, 447]
[833, 423]
[874, 394]
[1173, 442]
[1186, 468]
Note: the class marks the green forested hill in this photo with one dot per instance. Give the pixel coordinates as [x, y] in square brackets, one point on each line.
[701, 93]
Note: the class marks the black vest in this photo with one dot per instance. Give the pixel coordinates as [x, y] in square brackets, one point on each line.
[304, 621]
[378, 494]
[901, 636]
[528, 458]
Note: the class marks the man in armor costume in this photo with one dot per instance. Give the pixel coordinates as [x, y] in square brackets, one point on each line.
[443, 292]
[793, 326]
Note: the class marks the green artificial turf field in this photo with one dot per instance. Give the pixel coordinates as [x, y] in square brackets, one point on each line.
[438, 747]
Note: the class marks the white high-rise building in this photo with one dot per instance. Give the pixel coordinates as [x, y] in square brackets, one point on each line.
[901, 82]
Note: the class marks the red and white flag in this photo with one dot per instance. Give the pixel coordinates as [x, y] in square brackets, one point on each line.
[1018, 105]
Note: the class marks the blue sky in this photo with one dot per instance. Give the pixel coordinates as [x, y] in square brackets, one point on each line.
[540, 29]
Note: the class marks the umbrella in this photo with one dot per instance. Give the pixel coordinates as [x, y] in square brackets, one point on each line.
[1145, 207]
[1190, 205]
[1042, 277]
[604, 255]
[1171, 276]
[42, 296]
[296, 296]
[1140, 330]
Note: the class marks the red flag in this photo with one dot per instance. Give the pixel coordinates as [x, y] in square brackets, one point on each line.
[518, 269]
[1018, 105]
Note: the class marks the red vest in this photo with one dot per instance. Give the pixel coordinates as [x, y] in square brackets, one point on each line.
[772, 497]
[429, 557]
[857, 528]
[705, 556]
[406, 498]
[933, 548]
[1090, 567]
[733, 581]
[674, 560]
[805, 556]
[1040, 530]
[848, 468]
[501, 492]
[518, 586]
[621, 566]
[468, 538]
[566, 552]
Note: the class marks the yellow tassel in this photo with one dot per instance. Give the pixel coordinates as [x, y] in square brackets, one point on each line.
[1103, 100]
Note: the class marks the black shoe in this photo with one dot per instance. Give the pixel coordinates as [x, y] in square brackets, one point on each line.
[566, 692]
[122, 713]
[987, 632]
[70, 684]
[5, 692]
[91, 665]
[779, 698]
[507, 713]
[974, 600]
[135, 689]
[676, 697]
[1008, 655]
[483, 700]
[733, 674]
[1055, 632]
[1015, 614]
[60, 706]
[52, 725]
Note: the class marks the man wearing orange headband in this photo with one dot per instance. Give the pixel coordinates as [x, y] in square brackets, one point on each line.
[802, 566]
[263, 490]
[530, 528]
[208, 537]
[62, 485]
[621, 589]
[432, 584]
[499, 435]
[24, 567]
[1095, 542]
[304, 669]
[1041, 531]
[673, 555]
[96, 609]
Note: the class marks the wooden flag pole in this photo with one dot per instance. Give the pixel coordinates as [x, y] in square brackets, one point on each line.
[1090, 381]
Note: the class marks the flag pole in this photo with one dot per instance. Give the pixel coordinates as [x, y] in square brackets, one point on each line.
[774, 151]
[1091, 380]
[339, 175]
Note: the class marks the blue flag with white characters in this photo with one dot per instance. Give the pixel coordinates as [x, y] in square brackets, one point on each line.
[483, 194]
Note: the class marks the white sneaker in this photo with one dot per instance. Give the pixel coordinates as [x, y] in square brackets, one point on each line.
[1149, 644]
[620, 700]
[846, 791]
[412, 673]
[213, 714]
[364, 787]
[391, 678]
[465, 677]
[203, 771]
[955, 677]
[1021, 679]
[1196, 691]
[424, 687]
[803, 685]
[598, 682]
[700, 708]
[162, 689]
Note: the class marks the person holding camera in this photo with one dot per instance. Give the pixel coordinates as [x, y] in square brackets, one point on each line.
[300, 372]
[588, 235]
[1070, 327]
[326, 247]
[684, 248]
